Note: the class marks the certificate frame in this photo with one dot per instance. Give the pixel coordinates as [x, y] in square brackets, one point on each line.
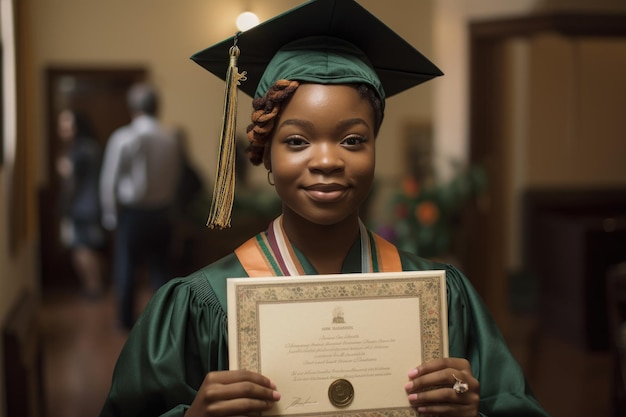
[265, 313]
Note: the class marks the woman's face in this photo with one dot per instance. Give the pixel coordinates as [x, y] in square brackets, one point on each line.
[322, 153]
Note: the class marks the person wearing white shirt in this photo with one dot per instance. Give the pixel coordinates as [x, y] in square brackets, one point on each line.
[138, 182]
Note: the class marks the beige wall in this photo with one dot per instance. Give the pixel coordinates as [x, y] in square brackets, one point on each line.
[451, 52]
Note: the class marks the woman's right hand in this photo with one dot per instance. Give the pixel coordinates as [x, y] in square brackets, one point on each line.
[233, 393]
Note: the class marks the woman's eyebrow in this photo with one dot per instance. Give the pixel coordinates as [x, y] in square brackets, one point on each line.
[297, 122]
[352, 122]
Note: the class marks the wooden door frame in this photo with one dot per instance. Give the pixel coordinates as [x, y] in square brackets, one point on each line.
[485, 259]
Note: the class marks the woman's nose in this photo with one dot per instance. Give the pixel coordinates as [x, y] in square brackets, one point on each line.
[326, 158]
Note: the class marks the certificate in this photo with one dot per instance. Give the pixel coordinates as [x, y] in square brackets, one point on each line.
[338, 344]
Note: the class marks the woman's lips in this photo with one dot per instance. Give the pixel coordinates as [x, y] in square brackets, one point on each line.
[326, 192]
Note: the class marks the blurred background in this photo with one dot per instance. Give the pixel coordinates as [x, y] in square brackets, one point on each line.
[510, 166]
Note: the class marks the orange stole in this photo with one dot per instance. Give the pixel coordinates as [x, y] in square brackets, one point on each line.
[256, 264]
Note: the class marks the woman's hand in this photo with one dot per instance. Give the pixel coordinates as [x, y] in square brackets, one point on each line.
[431, 389]
[230, 393]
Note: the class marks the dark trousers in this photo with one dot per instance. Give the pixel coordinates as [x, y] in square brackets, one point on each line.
[143, 235]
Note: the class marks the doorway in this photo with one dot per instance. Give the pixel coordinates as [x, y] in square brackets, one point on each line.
[100, 94]
[488, 224]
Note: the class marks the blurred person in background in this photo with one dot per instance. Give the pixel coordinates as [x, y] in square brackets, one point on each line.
[138, 186]
[79, 169]
[191, 185]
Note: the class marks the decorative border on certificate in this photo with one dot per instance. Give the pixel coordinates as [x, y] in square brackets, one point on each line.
[346, 334]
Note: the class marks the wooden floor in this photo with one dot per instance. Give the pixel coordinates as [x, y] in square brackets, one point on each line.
[82, 342]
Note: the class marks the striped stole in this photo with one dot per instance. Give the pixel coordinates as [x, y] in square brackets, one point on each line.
[260, 256]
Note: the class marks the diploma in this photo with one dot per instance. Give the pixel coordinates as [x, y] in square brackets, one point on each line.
[338, 344]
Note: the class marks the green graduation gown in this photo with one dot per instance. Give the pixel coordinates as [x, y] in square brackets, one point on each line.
[182, 335]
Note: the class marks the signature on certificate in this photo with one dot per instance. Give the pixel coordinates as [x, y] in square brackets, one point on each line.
[298, 402]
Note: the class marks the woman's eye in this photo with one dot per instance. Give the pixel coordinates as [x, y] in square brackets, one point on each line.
[353, 141]
[295, 141]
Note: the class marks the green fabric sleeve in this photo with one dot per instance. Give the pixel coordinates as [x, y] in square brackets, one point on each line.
[180, 336]
[474, 335]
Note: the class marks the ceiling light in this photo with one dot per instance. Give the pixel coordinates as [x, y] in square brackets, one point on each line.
[247, 20]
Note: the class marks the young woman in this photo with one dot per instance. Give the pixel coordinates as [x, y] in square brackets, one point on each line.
[314, 129]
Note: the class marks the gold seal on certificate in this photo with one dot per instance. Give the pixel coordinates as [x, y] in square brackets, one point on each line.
[340, 392]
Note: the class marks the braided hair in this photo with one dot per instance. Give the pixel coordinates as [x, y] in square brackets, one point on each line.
[267, 108]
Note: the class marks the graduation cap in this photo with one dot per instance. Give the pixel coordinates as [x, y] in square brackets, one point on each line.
[321, 41]
[398, 64]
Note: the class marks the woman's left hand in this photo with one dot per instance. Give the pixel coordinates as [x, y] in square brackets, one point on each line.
[431, 388]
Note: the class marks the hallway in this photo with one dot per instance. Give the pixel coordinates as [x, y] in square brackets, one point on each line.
[81, 344]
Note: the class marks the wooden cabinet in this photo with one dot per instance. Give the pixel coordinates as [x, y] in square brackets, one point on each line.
[22, 359]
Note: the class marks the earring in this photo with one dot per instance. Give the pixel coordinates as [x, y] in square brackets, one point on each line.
[270, 180]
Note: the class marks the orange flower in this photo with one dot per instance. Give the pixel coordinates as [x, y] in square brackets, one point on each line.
[427, 213]
[410, 187]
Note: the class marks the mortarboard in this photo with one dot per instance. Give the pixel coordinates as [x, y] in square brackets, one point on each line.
[398, 64]
[360, 46]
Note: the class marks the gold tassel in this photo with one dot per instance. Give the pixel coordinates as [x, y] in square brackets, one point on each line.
[224, 189]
